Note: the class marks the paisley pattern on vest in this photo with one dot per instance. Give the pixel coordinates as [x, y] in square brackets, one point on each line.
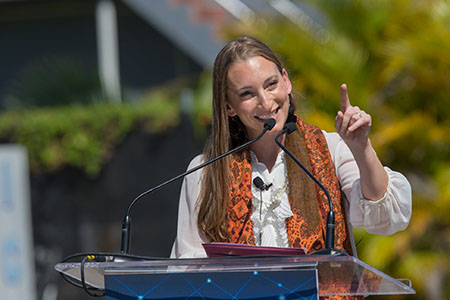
[240, 224]
[309, 204]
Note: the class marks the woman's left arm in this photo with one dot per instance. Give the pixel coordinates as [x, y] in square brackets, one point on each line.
[353, 125]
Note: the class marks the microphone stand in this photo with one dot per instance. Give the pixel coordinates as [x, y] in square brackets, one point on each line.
[126, 224]
[329, 234]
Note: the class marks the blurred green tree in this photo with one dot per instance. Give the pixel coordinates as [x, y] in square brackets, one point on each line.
[395, 58]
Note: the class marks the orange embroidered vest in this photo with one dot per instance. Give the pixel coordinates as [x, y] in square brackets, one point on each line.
[309, 204]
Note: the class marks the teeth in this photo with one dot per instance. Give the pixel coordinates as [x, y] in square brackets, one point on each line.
[266, 117]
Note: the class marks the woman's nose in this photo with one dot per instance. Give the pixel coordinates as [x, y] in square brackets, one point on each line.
[265, 100]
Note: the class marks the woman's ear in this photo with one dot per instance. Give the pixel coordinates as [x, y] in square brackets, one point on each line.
[230, 111]
[286, 80]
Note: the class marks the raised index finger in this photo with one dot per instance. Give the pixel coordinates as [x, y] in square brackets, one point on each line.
[345, 102]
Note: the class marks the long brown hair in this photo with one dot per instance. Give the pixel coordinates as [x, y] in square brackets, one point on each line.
[226, 133]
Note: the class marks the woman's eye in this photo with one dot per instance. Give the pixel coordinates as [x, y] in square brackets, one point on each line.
[245, 94]
[273, 84]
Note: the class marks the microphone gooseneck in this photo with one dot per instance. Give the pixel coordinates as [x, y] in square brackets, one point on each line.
[126, 224]
[329, 234]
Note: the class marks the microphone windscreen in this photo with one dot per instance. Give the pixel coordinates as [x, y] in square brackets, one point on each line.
[269, 124]
[291, 127]
[258, 182]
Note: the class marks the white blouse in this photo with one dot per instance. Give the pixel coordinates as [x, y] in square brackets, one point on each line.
[385, 216]
[271, 205]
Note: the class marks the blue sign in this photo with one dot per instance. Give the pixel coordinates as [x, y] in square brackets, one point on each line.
[16, 247]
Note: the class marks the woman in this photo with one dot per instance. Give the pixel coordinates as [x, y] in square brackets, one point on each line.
[220, 204]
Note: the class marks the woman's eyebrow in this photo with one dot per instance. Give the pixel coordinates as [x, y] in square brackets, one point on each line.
[271, 78]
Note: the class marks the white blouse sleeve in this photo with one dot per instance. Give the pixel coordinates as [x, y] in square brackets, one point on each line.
[188, 243]
[385, 216]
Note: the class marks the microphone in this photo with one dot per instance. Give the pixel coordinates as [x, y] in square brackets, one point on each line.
[126, 224]
[329, 234]
[259, 183]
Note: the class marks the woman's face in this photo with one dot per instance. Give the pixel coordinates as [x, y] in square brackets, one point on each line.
[257, 91]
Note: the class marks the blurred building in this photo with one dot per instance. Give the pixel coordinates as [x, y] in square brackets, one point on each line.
[131, 44]
[157, 40]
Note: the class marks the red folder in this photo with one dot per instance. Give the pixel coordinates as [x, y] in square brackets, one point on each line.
[228, 249]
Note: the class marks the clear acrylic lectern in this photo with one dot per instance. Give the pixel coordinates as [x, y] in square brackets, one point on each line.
[288, 277]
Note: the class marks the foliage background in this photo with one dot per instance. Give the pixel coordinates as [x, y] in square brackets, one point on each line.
[394, 57]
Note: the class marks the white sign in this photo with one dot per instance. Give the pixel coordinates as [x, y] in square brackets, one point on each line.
[16, 245]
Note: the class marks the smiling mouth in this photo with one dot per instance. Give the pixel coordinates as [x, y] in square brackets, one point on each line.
[269, 115]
